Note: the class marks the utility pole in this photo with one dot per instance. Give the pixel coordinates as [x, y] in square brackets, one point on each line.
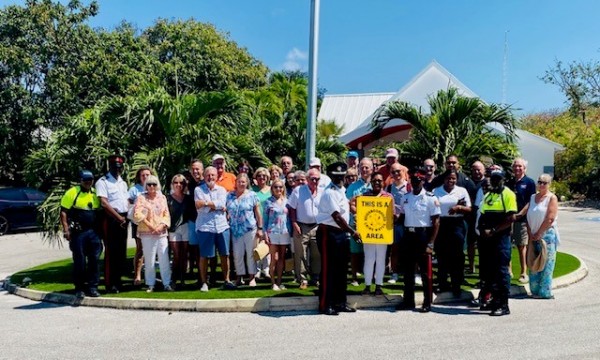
[313, 54]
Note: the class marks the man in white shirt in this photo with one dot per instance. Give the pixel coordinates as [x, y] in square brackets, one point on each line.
[113, 194]
[315, 163]
[303, 205]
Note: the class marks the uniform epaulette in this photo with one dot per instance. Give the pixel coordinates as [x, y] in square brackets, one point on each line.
[429, 193]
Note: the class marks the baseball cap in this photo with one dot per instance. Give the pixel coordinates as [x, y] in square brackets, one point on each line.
[314, 162]
[352, 153]
[217, 157]
[86, 175]
[391, 152]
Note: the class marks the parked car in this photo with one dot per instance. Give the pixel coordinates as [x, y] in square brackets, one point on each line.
[18, 208]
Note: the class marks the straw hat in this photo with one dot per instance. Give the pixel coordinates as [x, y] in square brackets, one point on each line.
[536, 258]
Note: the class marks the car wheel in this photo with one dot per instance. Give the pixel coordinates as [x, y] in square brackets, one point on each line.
[3, 225]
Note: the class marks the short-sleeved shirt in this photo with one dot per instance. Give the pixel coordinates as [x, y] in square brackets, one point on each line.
[418, 209]
[208, 220]
[523, 190]
[276, 217]
[449, 199]
[227, 181]
[181, 212]
[86, 204]
[134, 192]
[357, 188]
[398, 193]
[241, 212]
[305, 204]
[495, 206]
[114, 191]
[334, 199]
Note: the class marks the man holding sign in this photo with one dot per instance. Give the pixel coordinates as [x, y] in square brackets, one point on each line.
[374, 221]
[421, 213]
[332, 238]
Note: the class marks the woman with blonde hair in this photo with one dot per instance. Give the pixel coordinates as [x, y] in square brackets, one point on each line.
[541, 227]
[151, 213]
[275, 172]
[277, 232]
[245, 221]
[262, 178]
[182, 210]
[141, 175]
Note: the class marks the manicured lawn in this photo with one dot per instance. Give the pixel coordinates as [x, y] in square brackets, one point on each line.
[56, 277]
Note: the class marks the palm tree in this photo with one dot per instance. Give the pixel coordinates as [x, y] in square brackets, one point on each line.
[455, 124]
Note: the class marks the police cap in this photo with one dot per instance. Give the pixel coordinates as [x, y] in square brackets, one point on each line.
[337, 169]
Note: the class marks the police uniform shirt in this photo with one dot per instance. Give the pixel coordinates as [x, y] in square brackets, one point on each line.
[333, 199]
[115, 191]
[418, 209]
[449, 199]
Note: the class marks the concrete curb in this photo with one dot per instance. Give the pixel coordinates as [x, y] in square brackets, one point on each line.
[271, 304]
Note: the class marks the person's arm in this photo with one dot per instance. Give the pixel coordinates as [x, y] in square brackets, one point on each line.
[112, 212]
[353, 205]
[521, 214]
[259, 220]
[548, 219]
[164, 221]
[341, 222]
[435, 227]
[294, 221]
[65, 224]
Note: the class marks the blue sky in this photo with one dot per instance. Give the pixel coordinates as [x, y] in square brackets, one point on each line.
[379, 45]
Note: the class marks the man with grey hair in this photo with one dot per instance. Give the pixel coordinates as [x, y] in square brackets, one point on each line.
[287, 165]
[523, 186]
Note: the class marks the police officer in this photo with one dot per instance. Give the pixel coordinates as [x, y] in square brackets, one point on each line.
[497, 210]
[79, 210]
[420, 211]
[332, 239]
[112, 191]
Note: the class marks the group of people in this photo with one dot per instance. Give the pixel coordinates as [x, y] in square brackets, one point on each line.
[312, 215]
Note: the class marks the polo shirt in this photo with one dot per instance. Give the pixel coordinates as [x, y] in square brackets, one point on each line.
[523, 190]
[227, 181]
[449, 199]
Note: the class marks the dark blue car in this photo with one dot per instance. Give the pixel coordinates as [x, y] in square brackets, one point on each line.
[18, 208]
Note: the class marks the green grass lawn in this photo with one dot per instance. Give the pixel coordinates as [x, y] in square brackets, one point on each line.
[56, 277]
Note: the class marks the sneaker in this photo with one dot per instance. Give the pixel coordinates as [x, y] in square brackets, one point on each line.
[267, 274]
[304, 285]
[282, 287]
[276, 288]
[252, 283]
[169, 288]
[418, 280]
[503, 310]
[94, 293]
[524, 279]
[79, 294]
[228, 285]
[393, 279]
[354, 283]
[204, 287]
[378, 290]
[257, 275]
[150, 289]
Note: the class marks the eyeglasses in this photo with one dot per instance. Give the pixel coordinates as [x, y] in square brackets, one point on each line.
[278, 187]
[177, 182]
[151, 184]
[315, 179]
[542, 182]
[261, 176]
[429, 166]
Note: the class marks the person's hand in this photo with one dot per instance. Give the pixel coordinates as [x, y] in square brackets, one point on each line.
[297, 228]
[356, 237]
[428, 250]
[266, 238]
[487, 233]
[67, 235]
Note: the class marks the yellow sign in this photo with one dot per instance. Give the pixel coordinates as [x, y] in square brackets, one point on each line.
[375, 219]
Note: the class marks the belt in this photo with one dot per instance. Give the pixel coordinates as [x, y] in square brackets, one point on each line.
[415, 229]
[305, 224]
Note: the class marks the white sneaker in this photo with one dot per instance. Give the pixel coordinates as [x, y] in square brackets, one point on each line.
[418, 280]
[282, 287]
[150, 289]
[257, 275]
[524, 279]
[204, 288]
[276, 288]
[393, 279]
[354, 283]
[252, 283]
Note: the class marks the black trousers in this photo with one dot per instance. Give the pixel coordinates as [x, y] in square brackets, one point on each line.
[115, 255]
[86, 247]
[334, 248]
[449, 249]
[413, 251]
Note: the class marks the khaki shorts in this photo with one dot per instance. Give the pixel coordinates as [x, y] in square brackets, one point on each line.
[519, 233]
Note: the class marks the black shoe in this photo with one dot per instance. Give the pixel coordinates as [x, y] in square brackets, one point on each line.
[114, 290]
[475, 303]
[405, 306]
[378, 290]
[79, 294]
[504, 310]
[425, 309]
[94, 293]
[330, 311]
[366, 291]
[345, 308]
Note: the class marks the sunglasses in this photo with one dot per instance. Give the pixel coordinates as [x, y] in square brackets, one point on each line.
[278, 187]
[261, 176]
[315, 179]
[152, 184]
[429, 166]
[542, 182]
[177, 182]
[376, 181]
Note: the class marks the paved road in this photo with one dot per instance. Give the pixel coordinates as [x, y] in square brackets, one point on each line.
[566, 327]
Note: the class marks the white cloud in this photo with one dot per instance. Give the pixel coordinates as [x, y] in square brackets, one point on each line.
[295, 60]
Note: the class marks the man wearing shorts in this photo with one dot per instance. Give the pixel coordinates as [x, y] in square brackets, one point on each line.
[212, 226]
[523, 186]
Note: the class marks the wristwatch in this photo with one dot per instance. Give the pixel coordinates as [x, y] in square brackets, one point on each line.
[430, 245]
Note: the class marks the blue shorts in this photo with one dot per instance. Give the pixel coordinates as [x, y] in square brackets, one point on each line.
[192, 234]
[209, 240]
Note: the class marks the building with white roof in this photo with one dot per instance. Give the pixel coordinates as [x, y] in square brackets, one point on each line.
[355, 111]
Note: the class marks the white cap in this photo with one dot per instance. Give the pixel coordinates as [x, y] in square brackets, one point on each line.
[314, 162]
[217, 157]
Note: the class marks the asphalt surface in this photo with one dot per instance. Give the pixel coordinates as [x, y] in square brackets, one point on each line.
[566, 327]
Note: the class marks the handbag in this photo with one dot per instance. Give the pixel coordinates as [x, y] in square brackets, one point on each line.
[260, 251]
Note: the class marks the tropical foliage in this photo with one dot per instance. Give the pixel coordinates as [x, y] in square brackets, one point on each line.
[453, 124]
